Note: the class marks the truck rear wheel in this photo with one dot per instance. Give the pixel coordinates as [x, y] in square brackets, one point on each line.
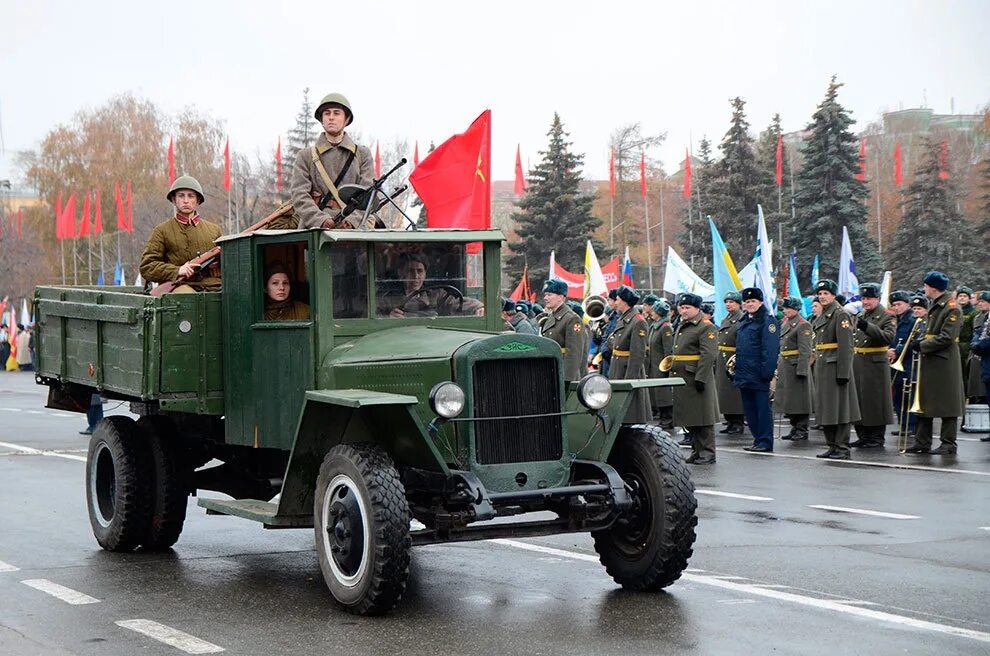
[361, 522]
[118, 474]
[649, 547]
[169, 483]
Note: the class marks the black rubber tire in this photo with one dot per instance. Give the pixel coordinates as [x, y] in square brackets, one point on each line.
[169, 483]
[379, 584]
[118, 476]
[650, 554]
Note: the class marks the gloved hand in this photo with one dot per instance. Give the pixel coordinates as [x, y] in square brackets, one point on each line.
[841, 381]
[699, 387]
[862, 324]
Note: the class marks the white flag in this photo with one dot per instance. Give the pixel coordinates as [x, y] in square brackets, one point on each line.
[886, 287]
[848, 282]
[678, 278]
[764, 269]
[594, 280]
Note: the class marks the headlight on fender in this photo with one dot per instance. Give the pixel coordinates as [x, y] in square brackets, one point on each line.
[594, 391]
[447, 399]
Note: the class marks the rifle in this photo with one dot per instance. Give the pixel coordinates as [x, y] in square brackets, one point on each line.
[207, 258]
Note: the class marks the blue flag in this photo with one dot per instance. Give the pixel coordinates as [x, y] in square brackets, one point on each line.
[814, 274]
[726, 277]
[118, 274]
[793, 286]
[99, 279]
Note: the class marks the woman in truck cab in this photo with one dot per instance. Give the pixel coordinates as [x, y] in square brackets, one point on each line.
[279, 305]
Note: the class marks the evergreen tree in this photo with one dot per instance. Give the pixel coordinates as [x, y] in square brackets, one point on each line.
[695, 238]
[829, 197]
[553, 214]
[933, 233]
[304, 133]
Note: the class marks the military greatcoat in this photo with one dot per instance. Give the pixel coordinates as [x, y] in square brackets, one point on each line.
[835, 403]
[564, 326]
[660, 344]
[695, 350]
[172, 244]
[729, 399]
[795, 387]
[871, 367]
[940, 376]
[628, 345]
[974, 386]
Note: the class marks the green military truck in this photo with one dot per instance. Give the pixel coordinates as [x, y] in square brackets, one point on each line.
[394, 395]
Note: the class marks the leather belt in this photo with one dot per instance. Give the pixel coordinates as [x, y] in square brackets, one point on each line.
[686, 358]
[826, 347]
[563, 349]
[871, 349]
[618, 353]
[731, 349]
[790, 352]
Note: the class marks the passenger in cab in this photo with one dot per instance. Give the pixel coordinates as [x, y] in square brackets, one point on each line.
[279, 305]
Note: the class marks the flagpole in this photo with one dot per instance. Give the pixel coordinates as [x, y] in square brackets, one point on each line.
[89, 256]
[649, 245]
[75, 263]
[102, 270]
[62, 244]
[663, 242]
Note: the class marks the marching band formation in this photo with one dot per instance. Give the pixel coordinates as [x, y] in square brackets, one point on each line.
[864, 364]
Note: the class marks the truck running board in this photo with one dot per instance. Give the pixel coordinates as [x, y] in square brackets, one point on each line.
[258, 511]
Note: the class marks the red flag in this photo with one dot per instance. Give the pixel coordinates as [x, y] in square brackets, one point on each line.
[780, 159]
[687, 174]
[416, 155]
[84, 224]
[523, 289]
[611, 172]
[130, 208]
[454, 181]
[861, 176]
[943, 161]
[171, 161]
[642, 174]
[97, 214]
[226, 166]
[378, 161]
[119, 201]
[278, 165]
[69, 218]
[898, 175]
[20, 218]
[58, 217]
[520, 187]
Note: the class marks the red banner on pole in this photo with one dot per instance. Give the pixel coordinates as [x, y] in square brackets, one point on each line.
[780, 159]
[84, 224]
[171, 161]
[898, 175]
[520, 186]
[861, 176]
[943, 161]
[378, 161]
[642, 174]
[226, 166]
[687, 174]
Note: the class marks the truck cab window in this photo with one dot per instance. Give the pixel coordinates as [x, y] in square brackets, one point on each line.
[285, 283]
[428, 280]
[349, 267]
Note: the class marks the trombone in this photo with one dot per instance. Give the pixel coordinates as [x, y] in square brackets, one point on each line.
[911, 385]
[898, 365]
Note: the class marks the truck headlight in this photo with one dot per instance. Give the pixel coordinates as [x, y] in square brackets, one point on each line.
[447, 399]
[594, 391]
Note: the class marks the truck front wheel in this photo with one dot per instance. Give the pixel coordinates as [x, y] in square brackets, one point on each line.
[361, 522]
[649, 546]
[118, 471]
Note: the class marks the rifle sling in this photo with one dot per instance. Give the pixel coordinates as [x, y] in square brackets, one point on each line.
[333, 184]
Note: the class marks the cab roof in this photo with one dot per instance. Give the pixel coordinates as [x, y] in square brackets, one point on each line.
[426, 234]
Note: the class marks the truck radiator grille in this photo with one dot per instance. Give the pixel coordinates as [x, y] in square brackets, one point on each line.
[504, 388]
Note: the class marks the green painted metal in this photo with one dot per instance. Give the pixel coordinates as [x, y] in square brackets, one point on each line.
[258, 511]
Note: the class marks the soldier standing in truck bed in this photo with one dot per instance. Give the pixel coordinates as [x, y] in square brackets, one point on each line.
[174, 243]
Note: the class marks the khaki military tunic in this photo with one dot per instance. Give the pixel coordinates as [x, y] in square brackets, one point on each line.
[795, 387]
[940, 376]
[564, 326]
[729, 398]
[974, 383]
[659, 344]
[872, 369]
[171, 245]
[290, 311]
[695, 349]
[628, 345]
[834, 403]
[307, 180]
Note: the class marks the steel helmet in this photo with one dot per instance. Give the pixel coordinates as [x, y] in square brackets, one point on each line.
[334, 99]
[186, 182]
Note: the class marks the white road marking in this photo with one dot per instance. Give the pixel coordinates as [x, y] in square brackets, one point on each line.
[871, 513]
[858, 463]
[35, 412]
[985, 528]
[11, 409]
[7, 567]
[845, 606]
[733, 495]
[172, 637]
[27, 450]
[68, 595]
[733, 602]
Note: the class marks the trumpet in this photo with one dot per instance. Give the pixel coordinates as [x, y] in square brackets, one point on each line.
[898, 365]
[594, 308]
[667, 364]
[730, 365]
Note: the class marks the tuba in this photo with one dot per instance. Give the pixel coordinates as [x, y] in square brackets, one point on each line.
[594, 308]
[667, 364]
[730, 365]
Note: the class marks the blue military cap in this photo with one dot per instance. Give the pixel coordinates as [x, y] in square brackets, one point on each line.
[752, 292]
[508, 305]
[661, 307]
[937, 279]
[688, 298]
[650, 299]
[574, 305]
[793, 303]
[522, 305]
[628, 294]
[733, 296]
[708, 308]
[555, 286]
[826, 285]
[982, 296]
[840, 299]
[613, 293]
[869, 290]
[963, 289]
[537, 308]
[919, 301]
[899, 295]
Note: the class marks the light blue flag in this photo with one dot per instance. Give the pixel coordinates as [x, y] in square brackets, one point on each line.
[726, 277]
[118, 273]
[814, 274]
[793, 286]
[99, 279]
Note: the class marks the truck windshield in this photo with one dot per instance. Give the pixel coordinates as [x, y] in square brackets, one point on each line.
[429, 280]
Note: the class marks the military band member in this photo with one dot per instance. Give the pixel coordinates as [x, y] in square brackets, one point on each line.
[980, 348]
[836, 405]
[974, 385]
[334, 160]
[605, 328]
[729, 399]
[696, 403]
[964, 301]
[174, 243]
[874, 330]
[564, 327]
[939, 387]
[757, 347]
[660, 344]
[514, 319]
[900, 303]
[628, 345]
[793, 396]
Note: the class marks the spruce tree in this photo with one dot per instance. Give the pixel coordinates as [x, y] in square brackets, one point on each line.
[933, 233]
[303, 134]
[553, 213]
[695, 239]
[829, 196]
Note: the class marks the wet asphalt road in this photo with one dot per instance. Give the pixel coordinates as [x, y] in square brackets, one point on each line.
[770, 573]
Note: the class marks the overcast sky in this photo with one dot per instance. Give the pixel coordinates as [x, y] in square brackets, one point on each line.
[423, 70]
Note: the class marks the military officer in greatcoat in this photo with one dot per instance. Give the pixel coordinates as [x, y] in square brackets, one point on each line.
[628, 345]
[585, 335]
[696, 403]
[660, 344]
[974, 384]
[564, 327]
[729, 399]
[874, 330]
[836, 405]
[793, 396]
[940, 370]
[757, 347]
